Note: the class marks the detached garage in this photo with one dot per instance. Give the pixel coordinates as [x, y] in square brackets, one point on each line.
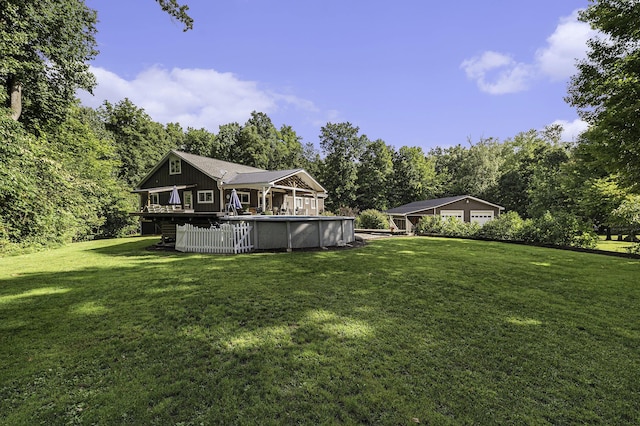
[464, 207]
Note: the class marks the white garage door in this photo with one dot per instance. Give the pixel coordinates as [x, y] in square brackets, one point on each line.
[452, 213]
[481, 216]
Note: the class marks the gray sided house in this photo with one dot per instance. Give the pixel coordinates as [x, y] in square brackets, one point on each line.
[204, 187]
[464, 207]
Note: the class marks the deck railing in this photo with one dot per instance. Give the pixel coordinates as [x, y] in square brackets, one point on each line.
[227, 239]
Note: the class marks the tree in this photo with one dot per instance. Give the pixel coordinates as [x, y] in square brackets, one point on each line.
[342, 145]
[256, 142]
[289, 150]
[199, 142]
[414, 176]
[139, 141]
[375, 173]
[44, 55]
[173, 8]
[480, 169]
[225, 141]
[606, 89]
[547, 188]
[310, 159]
[627, 214]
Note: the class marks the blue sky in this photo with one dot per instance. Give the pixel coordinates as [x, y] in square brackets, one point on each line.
[412, 72]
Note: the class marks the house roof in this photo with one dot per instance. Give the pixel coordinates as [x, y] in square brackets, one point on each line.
[294, 178]
[216, 169]
[238, 175]
[418, 206]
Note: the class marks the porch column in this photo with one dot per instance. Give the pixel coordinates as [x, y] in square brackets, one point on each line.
[315, 198]
[294, 199]
[264, 199]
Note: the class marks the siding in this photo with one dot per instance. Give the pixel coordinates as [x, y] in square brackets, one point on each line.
[458, 205]
[189, 176]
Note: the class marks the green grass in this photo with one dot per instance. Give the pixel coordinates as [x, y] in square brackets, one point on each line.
[441, 331]
[613, 245]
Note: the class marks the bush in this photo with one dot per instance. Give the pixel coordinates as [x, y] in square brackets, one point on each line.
[634, 249]
[372, 219]
[450, 226]
[562, 229]
[507, 227]
[429, 225]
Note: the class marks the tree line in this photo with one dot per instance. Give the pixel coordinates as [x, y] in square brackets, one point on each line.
[66, 171]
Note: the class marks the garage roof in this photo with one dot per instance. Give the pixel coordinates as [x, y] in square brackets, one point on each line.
[418, 206]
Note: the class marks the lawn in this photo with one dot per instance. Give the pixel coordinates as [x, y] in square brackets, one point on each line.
[613, 245]
[401, 331]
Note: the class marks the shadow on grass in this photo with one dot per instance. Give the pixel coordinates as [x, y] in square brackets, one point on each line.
[401, 330]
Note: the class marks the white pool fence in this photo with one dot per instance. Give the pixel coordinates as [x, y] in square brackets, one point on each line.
[227, 239]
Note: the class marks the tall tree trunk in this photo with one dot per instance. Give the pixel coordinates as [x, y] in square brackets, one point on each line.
[15, 97]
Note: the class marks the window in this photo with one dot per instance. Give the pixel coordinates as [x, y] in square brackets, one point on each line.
[154, 198]
[175, 166]
[205, 197]
[313, 203]
[244, 197]
[299, 202]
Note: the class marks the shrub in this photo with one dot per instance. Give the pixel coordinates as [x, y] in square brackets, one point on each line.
[450, 226]
[634, 249]
[505, 227]
[562, 229]
[429, 225]
[372, 219]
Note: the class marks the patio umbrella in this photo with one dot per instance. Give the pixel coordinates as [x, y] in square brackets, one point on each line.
[175, 197]
[234, 201]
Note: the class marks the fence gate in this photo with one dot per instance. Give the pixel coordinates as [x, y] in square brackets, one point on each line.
[228, 239]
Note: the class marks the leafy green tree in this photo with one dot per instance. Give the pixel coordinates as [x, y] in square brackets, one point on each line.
[535, 176]
[175, 134]
[342, 145]
[257, 142]
[606, 89]
[548, 186]
[447, 163]
[101, 203]
[288, 151]
[60, 186]
[178, 11]
[199, 142]
[414, 176]
[627, 214]
[45, 49]
[140, 142]
[310, 159]
[225, 141]
[474, 170]
[375, 174]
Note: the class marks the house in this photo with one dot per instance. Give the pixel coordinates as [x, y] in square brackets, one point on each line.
[204, 187]
[464, 207]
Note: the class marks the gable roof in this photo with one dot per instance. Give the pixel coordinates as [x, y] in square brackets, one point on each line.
[233, 174]
[217, 169]
[297, 178]
[418, 206]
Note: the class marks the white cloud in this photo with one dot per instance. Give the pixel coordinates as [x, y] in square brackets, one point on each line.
[565, 46]
[506, 75]
[498, 73]
[192, 97]
[571, 129]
